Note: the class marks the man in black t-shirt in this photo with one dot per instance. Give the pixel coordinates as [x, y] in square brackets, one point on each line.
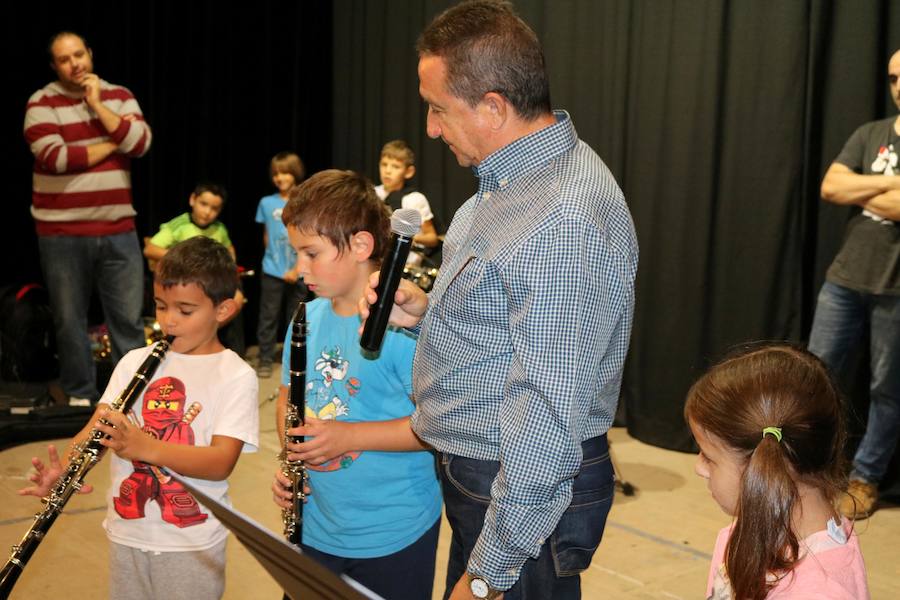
[862, 288]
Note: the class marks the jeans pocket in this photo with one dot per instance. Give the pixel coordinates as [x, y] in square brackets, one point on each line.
[471, 478]
[580, 529]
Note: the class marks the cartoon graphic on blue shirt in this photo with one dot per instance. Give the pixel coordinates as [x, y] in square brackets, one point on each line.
[387, 500]
[329, 395]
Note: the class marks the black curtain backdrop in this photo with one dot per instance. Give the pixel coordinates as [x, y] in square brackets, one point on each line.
[718, 120]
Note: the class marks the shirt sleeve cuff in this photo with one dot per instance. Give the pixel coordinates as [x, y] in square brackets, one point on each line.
[77, 158]
[118, 136]
[491, 561]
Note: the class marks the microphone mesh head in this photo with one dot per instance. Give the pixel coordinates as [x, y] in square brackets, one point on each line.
[406, 222]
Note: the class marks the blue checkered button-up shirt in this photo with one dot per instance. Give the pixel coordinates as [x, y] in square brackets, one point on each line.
[520, 353]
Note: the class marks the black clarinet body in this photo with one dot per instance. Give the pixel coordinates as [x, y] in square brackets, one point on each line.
[292, 518]
[83, 458]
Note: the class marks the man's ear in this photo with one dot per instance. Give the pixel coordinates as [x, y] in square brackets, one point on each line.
[225, 310]
[410, 171]
[362, 244]
[496, 109]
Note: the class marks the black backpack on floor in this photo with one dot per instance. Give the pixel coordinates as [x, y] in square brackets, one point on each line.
[27, 341]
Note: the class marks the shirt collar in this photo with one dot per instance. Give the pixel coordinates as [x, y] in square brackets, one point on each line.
[509, 162]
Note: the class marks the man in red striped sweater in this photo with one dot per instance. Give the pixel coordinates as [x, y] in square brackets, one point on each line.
[83, 132]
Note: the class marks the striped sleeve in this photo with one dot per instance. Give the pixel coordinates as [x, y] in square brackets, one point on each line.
[43, 132]
[133, 135]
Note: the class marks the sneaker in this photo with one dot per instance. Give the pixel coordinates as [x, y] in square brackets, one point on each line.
[859, 500]
[264, 369]
[80, 402]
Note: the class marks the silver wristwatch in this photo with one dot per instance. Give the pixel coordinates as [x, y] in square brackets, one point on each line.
[480, 588]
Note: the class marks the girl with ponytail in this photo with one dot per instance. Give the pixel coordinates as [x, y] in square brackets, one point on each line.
[770, 426]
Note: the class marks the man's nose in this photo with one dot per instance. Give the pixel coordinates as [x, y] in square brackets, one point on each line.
[431, 126]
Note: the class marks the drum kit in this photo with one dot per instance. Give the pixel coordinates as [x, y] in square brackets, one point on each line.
[420, 270]
[101, 347]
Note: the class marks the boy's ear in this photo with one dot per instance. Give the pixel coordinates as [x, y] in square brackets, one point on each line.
[192, 200]
[225, 310]
[410, 171]
[362, 243]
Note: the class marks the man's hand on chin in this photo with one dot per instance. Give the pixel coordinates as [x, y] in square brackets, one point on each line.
[90, 83]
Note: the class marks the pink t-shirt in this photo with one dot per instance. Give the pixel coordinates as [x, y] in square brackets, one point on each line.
[831, 568]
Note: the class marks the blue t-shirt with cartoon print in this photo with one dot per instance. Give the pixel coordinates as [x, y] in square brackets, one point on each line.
[280, 257]
[363, 504]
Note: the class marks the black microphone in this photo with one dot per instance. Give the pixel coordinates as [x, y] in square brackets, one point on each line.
[405, 223]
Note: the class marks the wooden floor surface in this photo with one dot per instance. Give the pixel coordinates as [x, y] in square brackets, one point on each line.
[657, 543]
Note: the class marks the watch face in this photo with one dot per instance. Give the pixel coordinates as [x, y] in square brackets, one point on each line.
[479, 588]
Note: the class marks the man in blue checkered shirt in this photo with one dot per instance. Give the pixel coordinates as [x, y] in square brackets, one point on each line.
[523, 338]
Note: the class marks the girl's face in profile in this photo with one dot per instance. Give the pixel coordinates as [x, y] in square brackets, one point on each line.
[721, 467]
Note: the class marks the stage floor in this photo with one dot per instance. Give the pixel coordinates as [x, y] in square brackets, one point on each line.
[657, 543]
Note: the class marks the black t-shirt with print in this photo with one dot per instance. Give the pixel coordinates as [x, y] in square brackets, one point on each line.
[869, 259]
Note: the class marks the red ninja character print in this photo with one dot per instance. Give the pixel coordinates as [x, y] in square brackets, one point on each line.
[166, 419]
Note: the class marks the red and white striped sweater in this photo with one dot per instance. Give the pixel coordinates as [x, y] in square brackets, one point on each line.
[68, 198]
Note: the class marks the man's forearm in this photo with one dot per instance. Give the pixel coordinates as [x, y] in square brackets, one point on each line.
[886, 205]
[97, 153]
[128, 130]
[108, 118]
[847, 187]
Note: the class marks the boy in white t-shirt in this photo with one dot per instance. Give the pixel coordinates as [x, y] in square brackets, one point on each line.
[396, 169]
[197, 414]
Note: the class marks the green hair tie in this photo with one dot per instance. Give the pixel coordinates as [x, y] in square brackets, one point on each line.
[774, 431]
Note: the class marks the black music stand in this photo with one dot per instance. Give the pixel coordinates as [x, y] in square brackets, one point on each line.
[301, 577]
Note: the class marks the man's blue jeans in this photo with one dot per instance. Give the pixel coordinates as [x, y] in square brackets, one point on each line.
[841, 314]
[466, 485]
[73, 266]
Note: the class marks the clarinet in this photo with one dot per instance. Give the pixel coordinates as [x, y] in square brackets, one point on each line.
[292, 518]
[82, 458]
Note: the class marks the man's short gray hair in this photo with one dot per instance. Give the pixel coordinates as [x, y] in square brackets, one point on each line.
[486, 47]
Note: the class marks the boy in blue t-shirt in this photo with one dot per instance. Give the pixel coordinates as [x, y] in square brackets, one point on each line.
[279, 287]
[373, 516]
